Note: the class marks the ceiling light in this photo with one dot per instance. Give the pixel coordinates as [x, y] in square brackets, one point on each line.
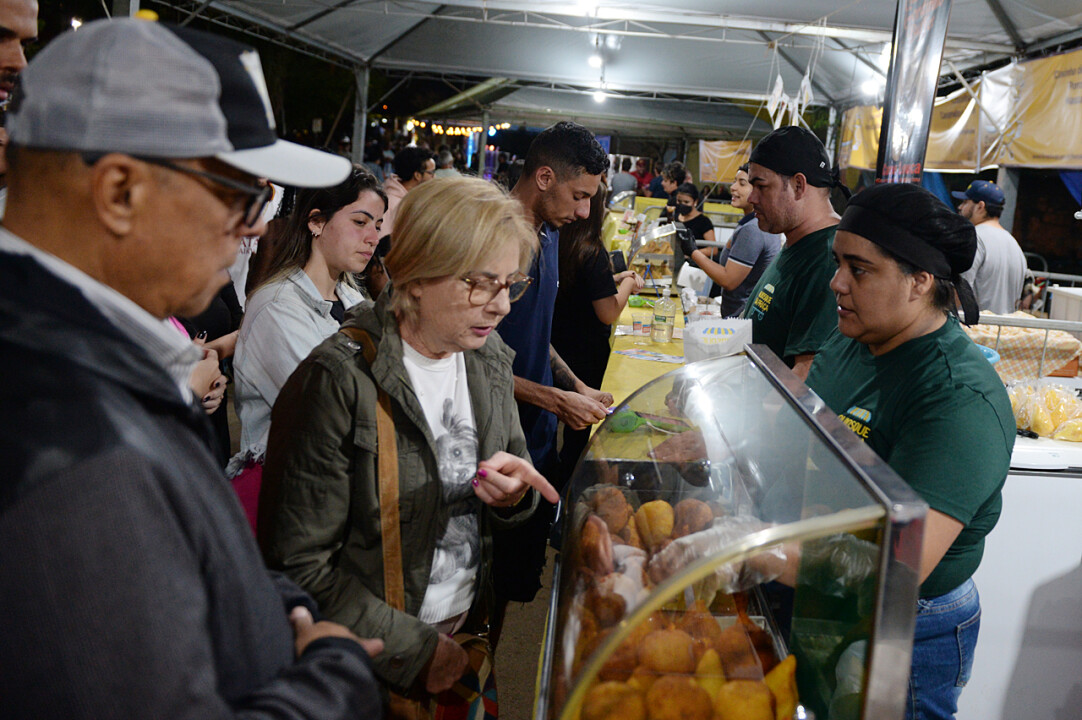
[76, 23]
[595, 61]
[873, 85]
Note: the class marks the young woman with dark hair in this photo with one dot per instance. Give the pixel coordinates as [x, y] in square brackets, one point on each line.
[331, 234]
[589, 300]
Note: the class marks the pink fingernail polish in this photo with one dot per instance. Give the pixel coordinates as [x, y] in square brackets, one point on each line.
[482, 472]
[476, 482]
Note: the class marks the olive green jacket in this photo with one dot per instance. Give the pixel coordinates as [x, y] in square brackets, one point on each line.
[319, 517]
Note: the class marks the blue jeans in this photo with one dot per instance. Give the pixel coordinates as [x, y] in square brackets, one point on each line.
[943, 646]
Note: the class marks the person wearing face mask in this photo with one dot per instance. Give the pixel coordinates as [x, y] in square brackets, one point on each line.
[687, 212]
[743, 261]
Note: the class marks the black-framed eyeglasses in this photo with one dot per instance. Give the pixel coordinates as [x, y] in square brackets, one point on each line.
[256, 198]
[483, 288]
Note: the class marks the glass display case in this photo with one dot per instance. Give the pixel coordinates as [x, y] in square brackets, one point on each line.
[731, 550]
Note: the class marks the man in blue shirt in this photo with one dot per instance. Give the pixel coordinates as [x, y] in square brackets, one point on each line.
[563, 170]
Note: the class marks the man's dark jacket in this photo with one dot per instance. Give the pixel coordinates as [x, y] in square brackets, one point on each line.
[130, 585]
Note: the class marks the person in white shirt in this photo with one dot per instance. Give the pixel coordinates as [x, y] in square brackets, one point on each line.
[999, 268]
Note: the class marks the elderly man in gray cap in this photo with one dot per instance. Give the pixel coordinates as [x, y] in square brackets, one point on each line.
[792, 307]
[131, 586]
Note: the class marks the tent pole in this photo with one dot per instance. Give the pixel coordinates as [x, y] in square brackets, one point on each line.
[481, 144]
[360, 112]
[125, 8]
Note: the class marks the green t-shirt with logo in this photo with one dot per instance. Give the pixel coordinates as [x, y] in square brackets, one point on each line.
[792, 308]
[937, 413]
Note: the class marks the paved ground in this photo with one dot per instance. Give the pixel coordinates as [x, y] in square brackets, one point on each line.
[520, 649]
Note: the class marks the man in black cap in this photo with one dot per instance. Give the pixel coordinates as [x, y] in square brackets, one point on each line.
[999, 269]
[792, 305]
[131, 586]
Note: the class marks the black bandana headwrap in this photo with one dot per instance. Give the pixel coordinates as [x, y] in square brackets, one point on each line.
[914, 225]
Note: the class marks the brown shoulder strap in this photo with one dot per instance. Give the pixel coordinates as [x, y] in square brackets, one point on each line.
[387, 470]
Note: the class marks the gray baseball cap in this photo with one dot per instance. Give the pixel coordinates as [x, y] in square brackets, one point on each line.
[149, 89]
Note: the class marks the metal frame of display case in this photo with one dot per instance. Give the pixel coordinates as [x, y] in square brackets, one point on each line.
[901, 515]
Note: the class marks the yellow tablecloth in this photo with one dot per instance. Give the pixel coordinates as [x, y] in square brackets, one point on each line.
[624, 374]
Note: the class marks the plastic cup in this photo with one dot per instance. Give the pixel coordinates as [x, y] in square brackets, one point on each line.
[642, 322]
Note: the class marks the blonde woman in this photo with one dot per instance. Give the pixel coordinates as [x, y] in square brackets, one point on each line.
[456, 264]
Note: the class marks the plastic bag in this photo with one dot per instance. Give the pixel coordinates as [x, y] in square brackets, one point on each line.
[725, 531]
[1047, 409]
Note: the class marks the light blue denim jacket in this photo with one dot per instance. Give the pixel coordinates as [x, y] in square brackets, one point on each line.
[283, 322]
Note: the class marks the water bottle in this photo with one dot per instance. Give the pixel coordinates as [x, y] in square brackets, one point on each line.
[664, 319]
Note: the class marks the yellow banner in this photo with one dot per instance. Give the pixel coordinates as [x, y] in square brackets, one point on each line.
[952, 137]
[1045, 131]
[859, 145]
[1030, 115]
[720, 159]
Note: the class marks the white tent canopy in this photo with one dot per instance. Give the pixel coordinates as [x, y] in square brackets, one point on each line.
[731, 50]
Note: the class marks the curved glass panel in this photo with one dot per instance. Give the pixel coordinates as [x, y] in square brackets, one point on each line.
[714, 529]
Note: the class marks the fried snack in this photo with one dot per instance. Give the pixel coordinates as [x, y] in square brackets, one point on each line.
[607, 606]
[630, 534]
[760, 639]
[619, 665]
[744, 700]
[611, 506]
[668, 651]
[654, 522]
[691, 516]
[613, 701]
[701, 626]
[643, 678]
[738, 656]
[708, 673]
[677, 698]
[595, 544]
[782, 683]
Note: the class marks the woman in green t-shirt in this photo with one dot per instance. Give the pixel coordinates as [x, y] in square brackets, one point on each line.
[904, 376]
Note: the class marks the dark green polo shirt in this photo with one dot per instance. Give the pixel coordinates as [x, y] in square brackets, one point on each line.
[937, 413]
[792, 307]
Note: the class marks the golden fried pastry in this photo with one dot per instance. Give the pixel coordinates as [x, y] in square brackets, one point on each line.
[738, 656]
[701, 626]
[668, 651]
[744, 700]
[691, 516]
[611, 506]
[708, 673]
[643, 677]
[630, 534]
[613, 701]
[607, 606]
[654, 521]
[782, 683]
[677, 697]
[618, 666]
[595, 544]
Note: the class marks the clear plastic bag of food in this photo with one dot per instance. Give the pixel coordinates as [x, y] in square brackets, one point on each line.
[1047, 409]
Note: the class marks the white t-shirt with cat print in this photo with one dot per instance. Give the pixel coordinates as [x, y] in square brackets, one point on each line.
[442, 389]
